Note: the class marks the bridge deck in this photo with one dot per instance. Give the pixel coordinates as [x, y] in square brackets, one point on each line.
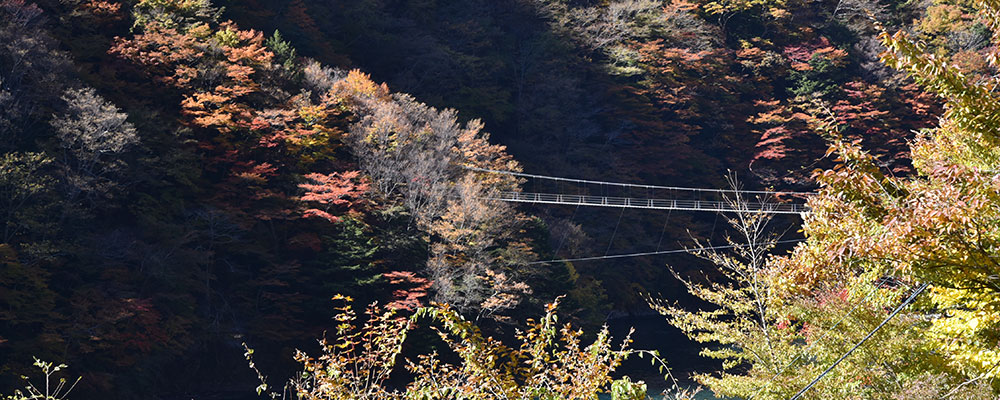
[655, 204]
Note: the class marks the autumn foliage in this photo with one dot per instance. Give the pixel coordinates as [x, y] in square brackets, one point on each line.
[549, 362]
[177, 177]
[331, 192]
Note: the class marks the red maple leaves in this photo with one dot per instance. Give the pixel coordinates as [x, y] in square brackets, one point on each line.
[333, 191]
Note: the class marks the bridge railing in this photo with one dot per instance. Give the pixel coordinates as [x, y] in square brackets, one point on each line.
[661, 204]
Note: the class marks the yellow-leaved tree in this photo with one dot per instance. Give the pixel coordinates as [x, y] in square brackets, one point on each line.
[871, 237]
[940, 226]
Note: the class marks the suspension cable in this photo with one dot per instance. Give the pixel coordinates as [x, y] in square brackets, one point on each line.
[868, 336]
[871, 291]
[678, 188]
[650, 253]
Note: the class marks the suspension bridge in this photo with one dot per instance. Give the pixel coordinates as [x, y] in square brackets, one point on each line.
[581, 192]
[699, 199]
[678, 198]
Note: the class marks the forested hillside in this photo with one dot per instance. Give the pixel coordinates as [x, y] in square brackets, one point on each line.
[182, 178]
[638, 91]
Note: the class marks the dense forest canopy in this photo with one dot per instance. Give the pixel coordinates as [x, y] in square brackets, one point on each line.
[181, 179]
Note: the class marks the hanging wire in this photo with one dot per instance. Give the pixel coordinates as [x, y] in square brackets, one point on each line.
[910, 299]
[568, 229]
[615, 232]
[664, 230]
[651, 253]
[871, 291]
[714, 225]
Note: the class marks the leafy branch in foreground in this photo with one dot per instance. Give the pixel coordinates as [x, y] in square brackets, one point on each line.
[550, 361]
[47, 392]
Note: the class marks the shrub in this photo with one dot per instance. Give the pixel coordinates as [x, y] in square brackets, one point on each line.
[549, 362]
